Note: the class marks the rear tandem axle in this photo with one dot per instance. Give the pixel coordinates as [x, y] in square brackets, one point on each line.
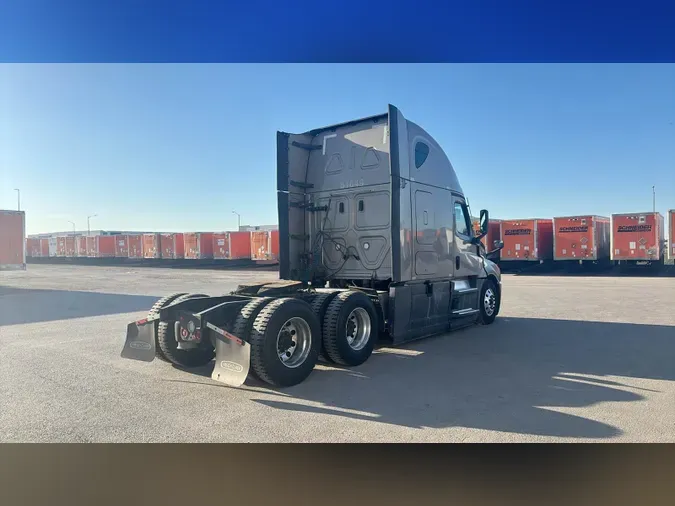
[274, 330]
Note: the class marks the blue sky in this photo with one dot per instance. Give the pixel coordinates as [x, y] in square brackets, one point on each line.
[178, 147]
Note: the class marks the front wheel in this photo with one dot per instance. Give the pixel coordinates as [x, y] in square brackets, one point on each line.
[489, 302]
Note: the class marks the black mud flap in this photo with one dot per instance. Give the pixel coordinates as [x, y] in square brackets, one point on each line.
[233, 357]
[140, 342]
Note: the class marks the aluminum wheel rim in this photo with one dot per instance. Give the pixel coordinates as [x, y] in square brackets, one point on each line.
[294, 341]
[489, 302]
[358, 328]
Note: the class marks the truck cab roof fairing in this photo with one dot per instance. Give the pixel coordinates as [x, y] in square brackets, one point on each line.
[436, 170]
[442, 172]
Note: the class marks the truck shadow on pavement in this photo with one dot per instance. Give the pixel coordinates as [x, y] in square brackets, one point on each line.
[28, 305]
[509, 377]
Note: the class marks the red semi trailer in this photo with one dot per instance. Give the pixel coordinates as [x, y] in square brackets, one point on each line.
[135, 245]
[12, 240]
[44, 247]
[671, 234]
[232, 245]
[198, 245]
[122, 246]
[581, 238]
[172, 245]
[105, 246]
[32, 247]
[151, 246]
[637, 237]
[527, 240]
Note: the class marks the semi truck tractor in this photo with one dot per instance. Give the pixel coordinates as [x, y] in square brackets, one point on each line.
[375, 243]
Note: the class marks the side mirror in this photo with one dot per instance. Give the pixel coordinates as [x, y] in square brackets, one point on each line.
[498, 245]
[484, 221]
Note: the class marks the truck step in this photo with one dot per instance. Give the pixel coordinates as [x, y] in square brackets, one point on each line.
[464, 312]
[464, 291]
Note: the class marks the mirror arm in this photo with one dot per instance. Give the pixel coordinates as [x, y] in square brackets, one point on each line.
[495, 250]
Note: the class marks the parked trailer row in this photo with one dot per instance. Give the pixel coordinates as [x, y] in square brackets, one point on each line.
[620, 238]
[258, 246]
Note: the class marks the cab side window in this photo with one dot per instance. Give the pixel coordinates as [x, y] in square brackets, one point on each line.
[462, 221]
[421, 154]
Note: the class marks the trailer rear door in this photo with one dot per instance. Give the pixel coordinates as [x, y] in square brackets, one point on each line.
[575, 238]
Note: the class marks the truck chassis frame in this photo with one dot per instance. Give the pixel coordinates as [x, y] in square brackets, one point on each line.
[210, 324]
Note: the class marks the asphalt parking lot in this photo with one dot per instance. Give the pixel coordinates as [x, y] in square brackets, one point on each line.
[569, 359]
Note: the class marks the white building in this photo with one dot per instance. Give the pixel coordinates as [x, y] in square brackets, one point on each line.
[257, 228]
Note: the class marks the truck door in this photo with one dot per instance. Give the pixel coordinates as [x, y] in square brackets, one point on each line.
[466, 257]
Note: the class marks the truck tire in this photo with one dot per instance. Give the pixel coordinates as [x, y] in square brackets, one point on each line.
[350, 328]
[285, 342]
[243, 323]
[168, 345]
[488, 302]
[164, 301]
[319, 305]
[154, 310]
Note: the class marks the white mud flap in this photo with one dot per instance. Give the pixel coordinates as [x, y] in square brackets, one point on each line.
[233, 358]
[140, 341]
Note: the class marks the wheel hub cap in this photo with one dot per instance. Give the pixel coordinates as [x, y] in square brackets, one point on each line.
[358, 328]
[489, 302]
[294, 342]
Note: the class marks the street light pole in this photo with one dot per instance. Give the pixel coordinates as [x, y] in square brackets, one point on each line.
[238, 220]
[88, 227]
[73, 224]
[18, 199]
[654, 198]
